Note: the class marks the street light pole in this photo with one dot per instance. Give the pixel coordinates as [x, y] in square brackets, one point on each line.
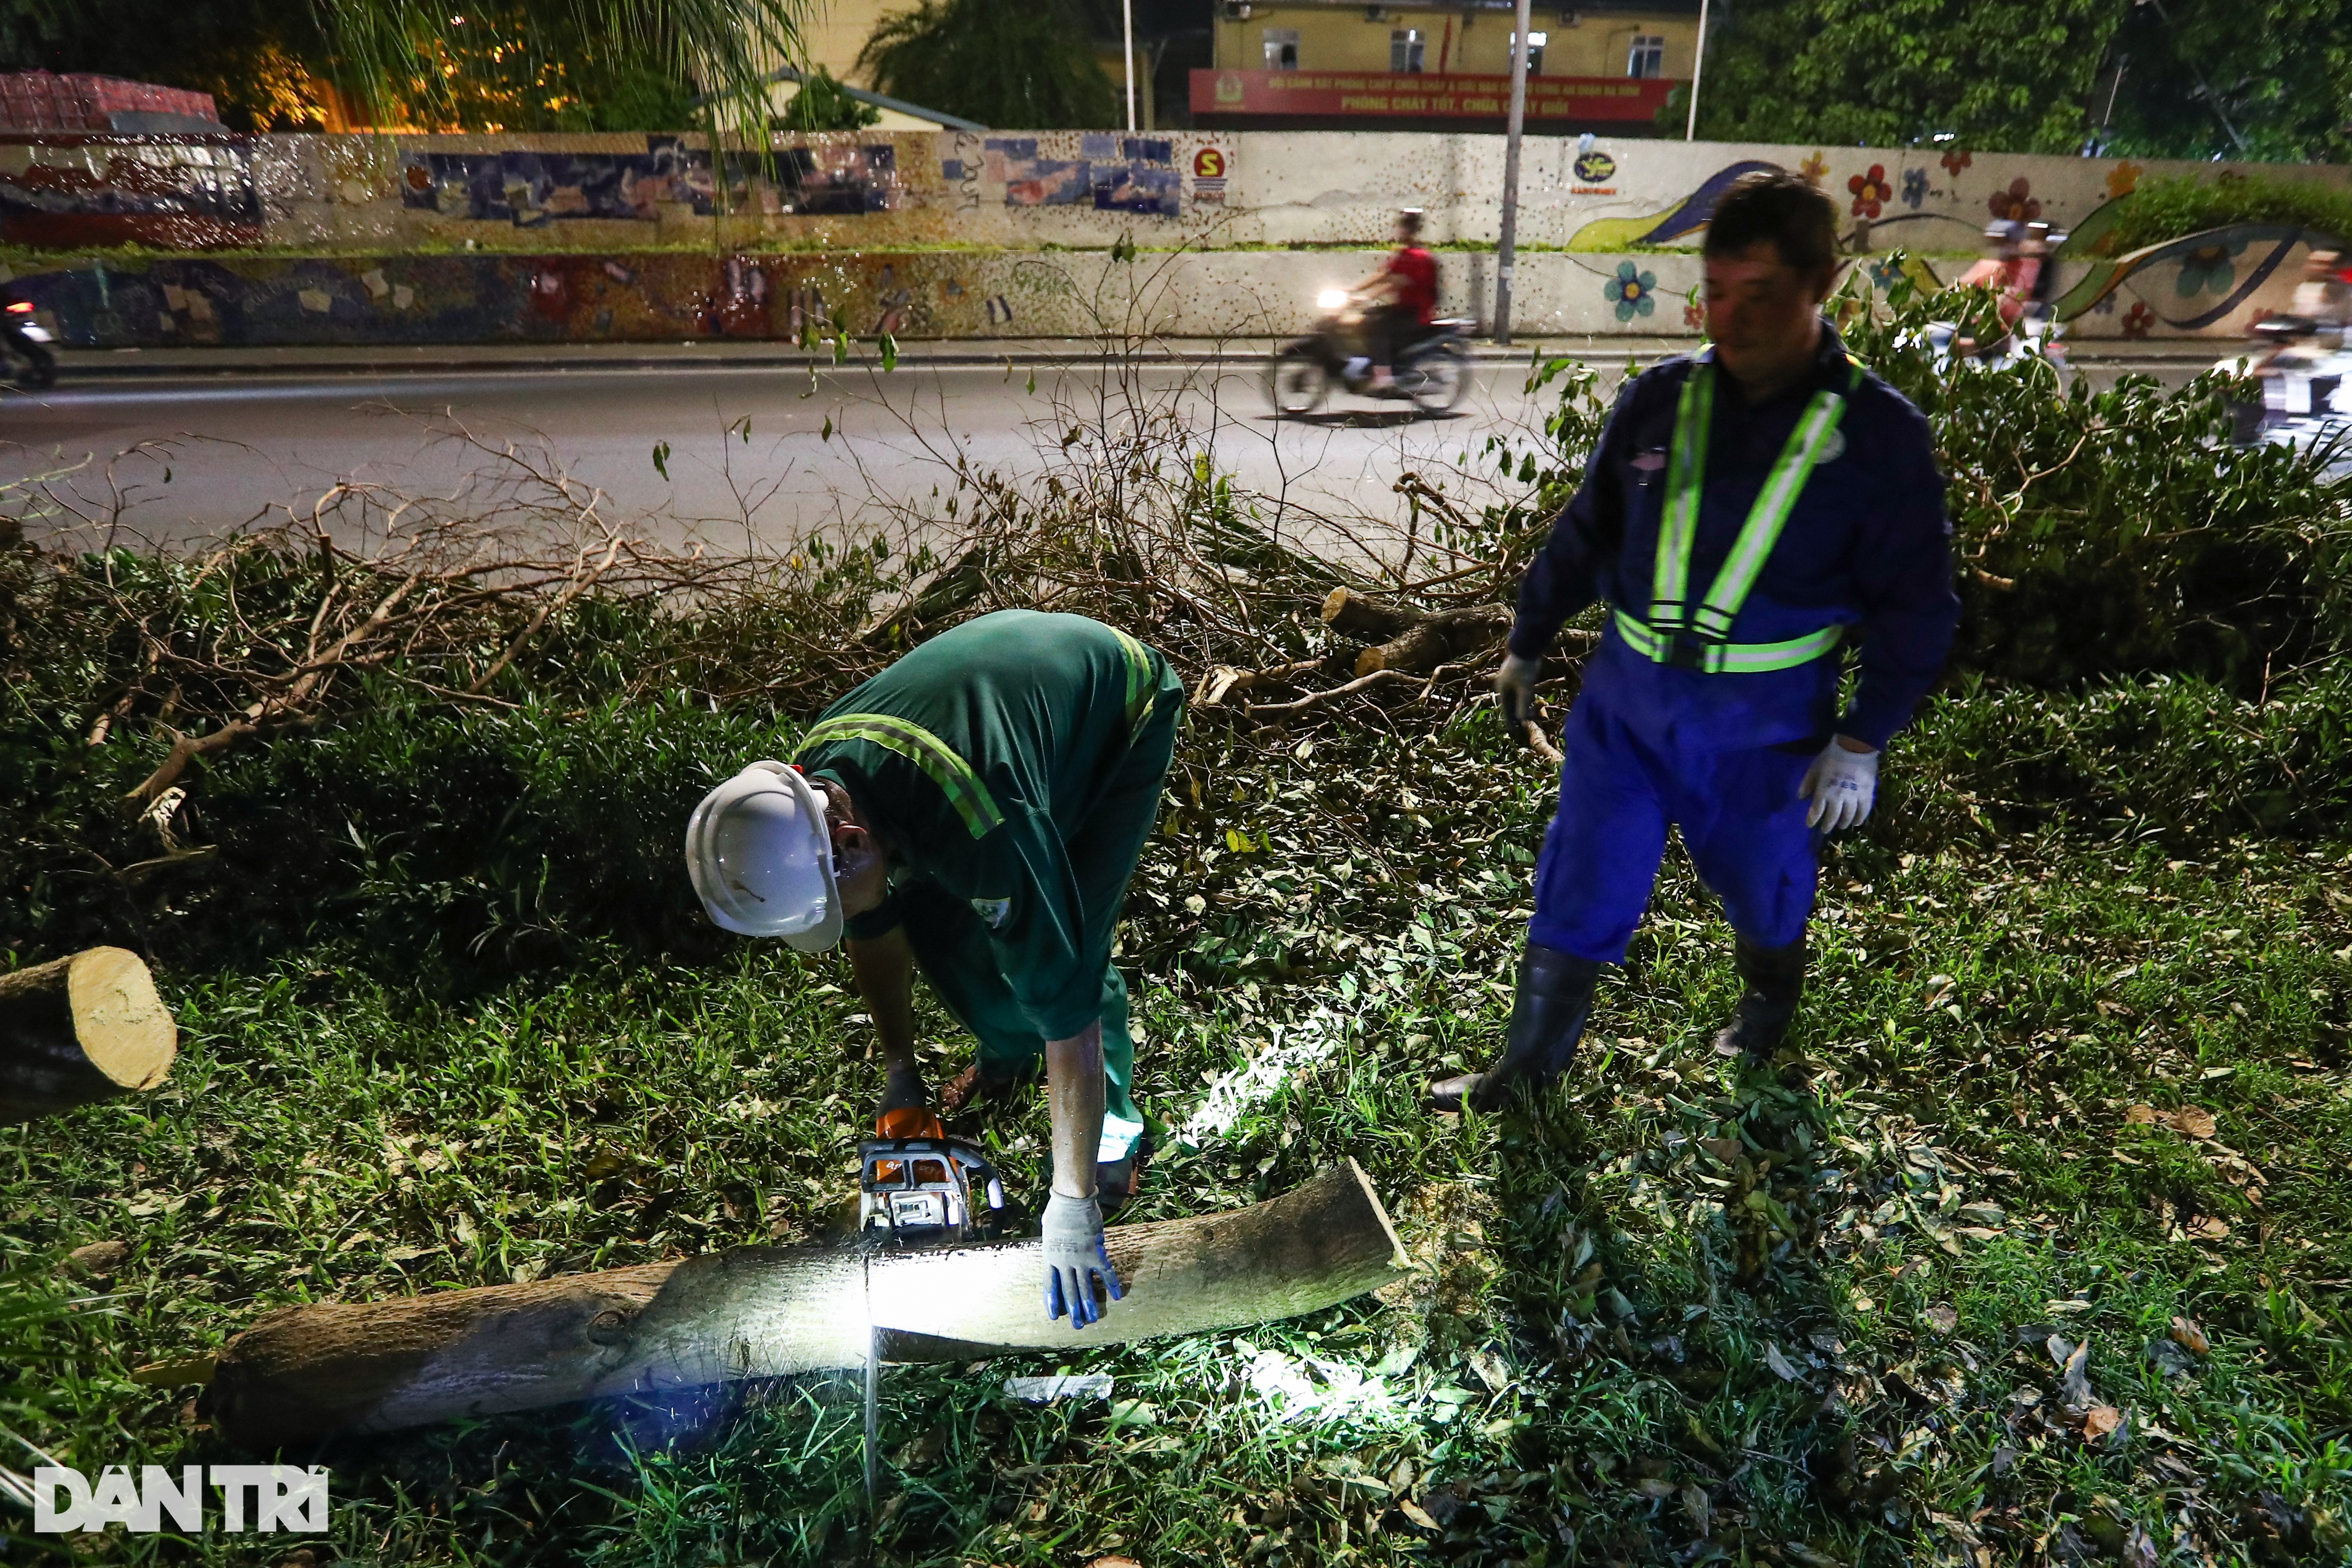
[1698, 64]
[1127, 16]
[1507, 241]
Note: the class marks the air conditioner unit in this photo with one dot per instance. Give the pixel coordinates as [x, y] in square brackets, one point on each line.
[1237, 10]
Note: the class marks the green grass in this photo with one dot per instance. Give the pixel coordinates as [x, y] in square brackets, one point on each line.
[1589, 1353]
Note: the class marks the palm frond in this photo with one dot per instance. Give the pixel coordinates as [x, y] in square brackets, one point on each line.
[431, 63]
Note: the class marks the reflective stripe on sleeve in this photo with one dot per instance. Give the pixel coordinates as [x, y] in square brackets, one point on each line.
[926, 751]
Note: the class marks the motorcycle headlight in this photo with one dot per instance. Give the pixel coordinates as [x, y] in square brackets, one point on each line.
[1332, 299]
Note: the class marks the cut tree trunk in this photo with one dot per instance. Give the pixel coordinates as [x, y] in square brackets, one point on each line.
[79, 1029]
[767, 1311]
[1435, 639]
[1407, 641]
[1364, 619]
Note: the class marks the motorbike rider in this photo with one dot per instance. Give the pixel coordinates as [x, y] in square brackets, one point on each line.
[2012, 272]
[2297, 362]
[15, 311]
[2323, 297]
[1401, 299]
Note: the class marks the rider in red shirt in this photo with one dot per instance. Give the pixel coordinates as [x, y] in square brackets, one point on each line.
[1402, 296]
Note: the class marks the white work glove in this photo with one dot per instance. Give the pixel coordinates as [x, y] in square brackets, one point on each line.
[1841, 785]
[1515, 687]
[1075, 1255]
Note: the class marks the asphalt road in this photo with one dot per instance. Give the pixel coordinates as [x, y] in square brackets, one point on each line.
[730, 455]
[737, 455]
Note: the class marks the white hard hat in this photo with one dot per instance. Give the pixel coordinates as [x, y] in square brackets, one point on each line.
[760, 855]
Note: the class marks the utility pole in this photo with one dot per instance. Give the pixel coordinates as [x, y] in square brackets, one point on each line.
[1508, 239]
[1698, 64]
[1127, 18]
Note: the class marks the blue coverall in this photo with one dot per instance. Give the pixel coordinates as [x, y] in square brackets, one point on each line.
[1721, 755]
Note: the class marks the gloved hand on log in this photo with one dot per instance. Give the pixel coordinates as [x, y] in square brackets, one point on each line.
[1075, 1258]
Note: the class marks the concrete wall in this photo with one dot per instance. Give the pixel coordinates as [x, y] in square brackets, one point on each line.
[885, 190]
[645, 296]
[482, 238]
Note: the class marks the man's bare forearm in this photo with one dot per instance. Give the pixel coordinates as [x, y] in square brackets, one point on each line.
[1074, 1088]
[883, 969]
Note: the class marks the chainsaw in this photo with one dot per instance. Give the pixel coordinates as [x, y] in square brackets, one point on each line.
[919, 1187]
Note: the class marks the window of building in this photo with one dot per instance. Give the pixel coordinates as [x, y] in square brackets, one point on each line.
[1282, 49]
[1406, 46]
[1647, 57]
[1536, 42]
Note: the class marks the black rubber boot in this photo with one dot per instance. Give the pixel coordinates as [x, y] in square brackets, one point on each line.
[1555, 996]
[1776, 981]
[903, 1090]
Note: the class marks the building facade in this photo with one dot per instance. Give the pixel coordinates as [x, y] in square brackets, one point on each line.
[1435, 65]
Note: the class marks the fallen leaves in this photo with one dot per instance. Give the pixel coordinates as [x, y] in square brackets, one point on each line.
[100, 1260]
[1942, 1318]
[2189, 1335]
[1781, 1366]
[2100, 1421]
[2190, 1121]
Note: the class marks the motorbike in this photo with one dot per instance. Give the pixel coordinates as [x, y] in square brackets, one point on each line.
[2035, 337]
[27, 352]
[1431, 368]
[2305, 374]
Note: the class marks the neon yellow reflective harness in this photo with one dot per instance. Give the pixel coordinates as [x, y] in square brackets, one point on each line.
[1698, 639]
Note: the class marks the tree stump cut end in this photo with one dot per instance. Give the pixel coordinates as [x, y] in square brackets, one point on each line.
[124, 1029]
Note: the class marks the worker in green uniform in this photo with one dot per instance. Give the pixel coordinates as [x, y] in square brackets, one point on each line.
[976, 811]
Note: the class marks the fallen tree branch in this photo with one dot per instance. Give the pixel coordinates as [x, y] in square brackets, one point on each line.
[572, 590]
[1224, 680]
[769, 1311]
[1315, 699]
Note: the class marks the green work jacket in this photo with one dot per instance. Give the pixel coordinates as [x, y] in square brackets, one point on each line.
[976, 758]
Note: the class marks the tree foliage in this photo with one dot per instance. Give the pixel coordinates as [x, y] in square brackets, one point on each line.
[431, 62]
[2163, 209]
[2027, 77]
[822, 104]
[507, 65]
[2278, 71]
[1005, 63]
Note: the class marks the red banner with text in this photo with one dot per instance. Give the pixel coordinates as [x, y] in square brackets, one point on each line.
[1416, 95]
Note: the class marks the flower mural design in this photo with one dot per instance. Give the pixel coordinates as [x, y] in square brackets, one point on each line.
[1885, 273]
[2213, 266]
[1957, 158]
[2122, 180]
[2138, 319]
[1914, 188]
[2017, 203]
[1813, 168]
[1632, 291]
[1871, 192]
[1694, 316]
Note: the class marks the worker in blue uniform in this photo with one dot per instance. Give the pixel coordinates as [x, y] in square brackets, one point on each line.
[1751, 512]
